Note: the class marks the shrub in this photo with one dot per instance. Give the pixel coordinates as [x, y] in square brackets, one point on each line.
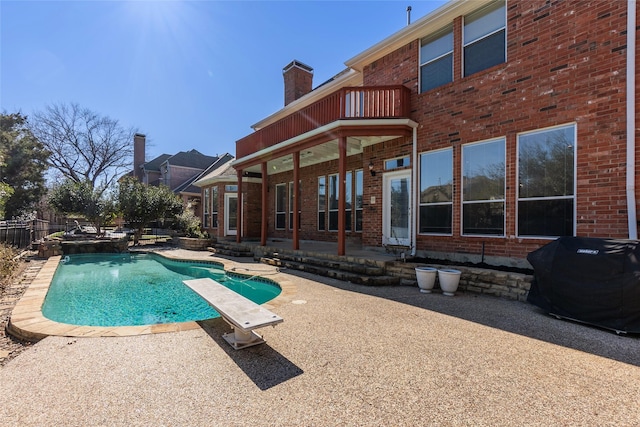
[8, 264]
[188, 223]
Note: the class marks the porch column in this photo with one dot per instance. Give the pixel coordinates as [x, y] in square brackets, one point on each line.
[263, 223]
[239, 209]
[342, 170]
[296, 202]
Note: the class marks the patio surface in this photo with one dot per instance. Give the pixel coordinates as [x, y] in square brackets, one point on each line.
[345, 355]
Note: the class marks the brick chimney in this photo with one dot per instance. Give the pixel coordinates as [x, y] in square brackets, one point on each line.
[298, 81]
[139, 141]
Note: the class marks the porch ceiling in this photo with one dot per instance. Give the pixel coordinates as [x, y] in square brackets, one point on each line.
[320, 153]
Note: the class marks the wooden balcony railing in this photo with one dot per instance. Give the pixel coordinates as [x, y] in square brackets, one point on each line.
[374, 102]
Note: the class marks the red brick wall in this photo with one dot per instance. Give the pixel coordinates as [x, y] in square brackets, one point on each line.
[565, 63]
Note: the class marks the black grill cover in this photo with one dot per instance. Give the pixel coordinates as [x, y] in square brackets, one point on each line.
[596, 281]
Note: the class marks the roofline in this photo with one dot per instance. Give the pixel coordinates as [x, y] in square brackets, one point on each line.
[346, 79]
[429, 23]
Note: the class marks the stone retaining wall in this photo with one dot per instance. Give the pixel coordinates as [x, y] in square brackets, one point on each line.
[484, 281]
[193, 244]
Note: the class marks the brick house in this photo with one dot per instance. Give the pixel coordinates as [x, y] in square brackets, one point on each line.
[177, 171]
[479, 132]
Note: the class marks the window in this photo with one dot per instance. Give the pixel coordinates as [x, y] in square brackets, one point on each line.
[436, 60]
[322, 202]
[485, 38]
[333, 202]
[359, 196]
[281, 202]
[483, 188]
[348, 202]
[436, 192]
[214, 206]
[398, 163]
[291, 206]
[207, 205]
[546, 182]
[231, 188]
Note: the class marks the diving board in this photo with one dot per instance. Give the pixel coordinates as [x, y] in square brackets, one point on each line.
[242, 314]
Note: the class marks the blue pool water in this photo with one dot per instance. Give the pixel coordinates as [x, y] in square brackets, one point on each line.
[139, 289]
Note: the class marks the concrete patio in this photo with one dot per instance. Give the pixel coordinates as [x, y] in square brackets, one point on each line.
[345, 355]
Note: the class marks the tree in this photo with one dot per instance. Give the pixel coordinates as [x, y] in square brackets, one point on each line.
[80, 198]
[23, 162]
[141, 204]
[84, 146]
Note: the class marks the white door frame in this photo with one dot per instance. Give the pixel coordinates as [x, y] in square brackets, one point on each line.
[227, 201]
[387, 235]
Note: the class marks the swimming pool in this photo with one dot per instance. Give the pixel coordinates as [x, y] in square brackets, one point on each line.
[139, 289]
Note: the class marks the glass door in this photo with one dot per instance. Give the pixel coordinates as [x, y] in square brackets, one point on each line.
[396, 216]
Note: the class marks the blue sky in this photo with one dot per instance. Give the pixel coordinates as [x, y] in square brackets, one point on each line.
[188, 74]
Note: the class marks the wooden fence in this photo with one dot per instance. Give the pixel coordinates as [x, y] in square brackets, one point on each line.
[20, 234]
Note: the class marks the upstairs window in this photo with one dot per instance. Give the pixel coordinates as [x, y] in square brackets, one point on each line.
[546, 182]
[485, 38]
[483, 188]
[436, 60]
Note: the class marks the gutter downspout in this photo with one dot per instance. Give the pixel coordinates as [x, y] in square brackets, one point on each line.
[414, 199]
[631, 119]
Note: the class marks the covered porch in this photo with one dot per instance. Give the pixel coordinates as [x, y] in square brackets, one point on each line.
[340, 128]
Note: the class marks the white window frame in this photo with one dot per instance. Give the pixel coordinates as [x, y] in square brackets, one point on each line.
[419, 185]
[438, 35]
[470, 42]
[575, 180]
[504, 191]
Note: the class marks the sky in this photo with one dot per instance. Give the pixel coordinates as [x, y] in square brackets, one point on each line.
[187, 74]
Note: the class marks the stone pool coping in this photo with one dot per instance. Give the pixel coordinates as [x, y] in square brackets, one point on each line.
[28, 323]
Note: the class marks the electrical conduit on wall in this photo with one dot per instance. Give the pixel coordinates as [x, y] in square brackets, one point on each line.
[631, 119]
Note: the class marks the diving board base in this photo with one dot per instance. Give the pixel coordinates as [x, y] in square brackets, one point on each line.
[240, 340]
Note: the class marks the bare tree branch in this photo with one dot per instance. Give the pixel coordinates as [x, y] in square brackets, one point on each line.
[84, 145]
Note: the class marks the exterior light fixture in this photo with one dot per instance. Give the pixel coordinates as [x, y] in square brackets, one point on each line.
[371, 171]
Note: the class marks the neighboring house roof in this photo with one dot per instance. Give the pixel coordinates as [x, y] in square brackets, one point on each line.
[154, 165]
[187, 187]
[223, 173]
[191, 159]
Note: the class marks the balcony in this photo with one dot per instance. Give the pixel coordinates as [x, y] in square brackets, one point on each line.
[377, 102]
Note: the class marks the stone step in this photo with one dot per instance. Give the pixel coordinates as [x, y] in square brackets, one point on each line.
[347, 276]
[230, 249]
[330, 263]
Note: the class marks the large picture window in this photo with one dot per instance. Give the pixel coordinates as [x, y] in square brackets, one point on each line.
[436, 192]
[546, 182]
[483, 188]
[485, 38]
[281, 206]
[436, 60]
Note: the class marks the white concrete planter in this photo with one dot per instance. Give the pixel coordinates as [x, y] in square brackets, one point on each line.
[449, 279]
[426, 277]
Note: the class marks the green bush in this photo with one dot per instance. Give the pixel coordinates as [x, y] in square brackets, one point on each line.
[189, 224]
[8, 264]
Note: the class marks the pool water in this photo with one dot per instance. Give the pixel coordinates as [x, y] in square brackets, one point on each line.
[139, 289]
